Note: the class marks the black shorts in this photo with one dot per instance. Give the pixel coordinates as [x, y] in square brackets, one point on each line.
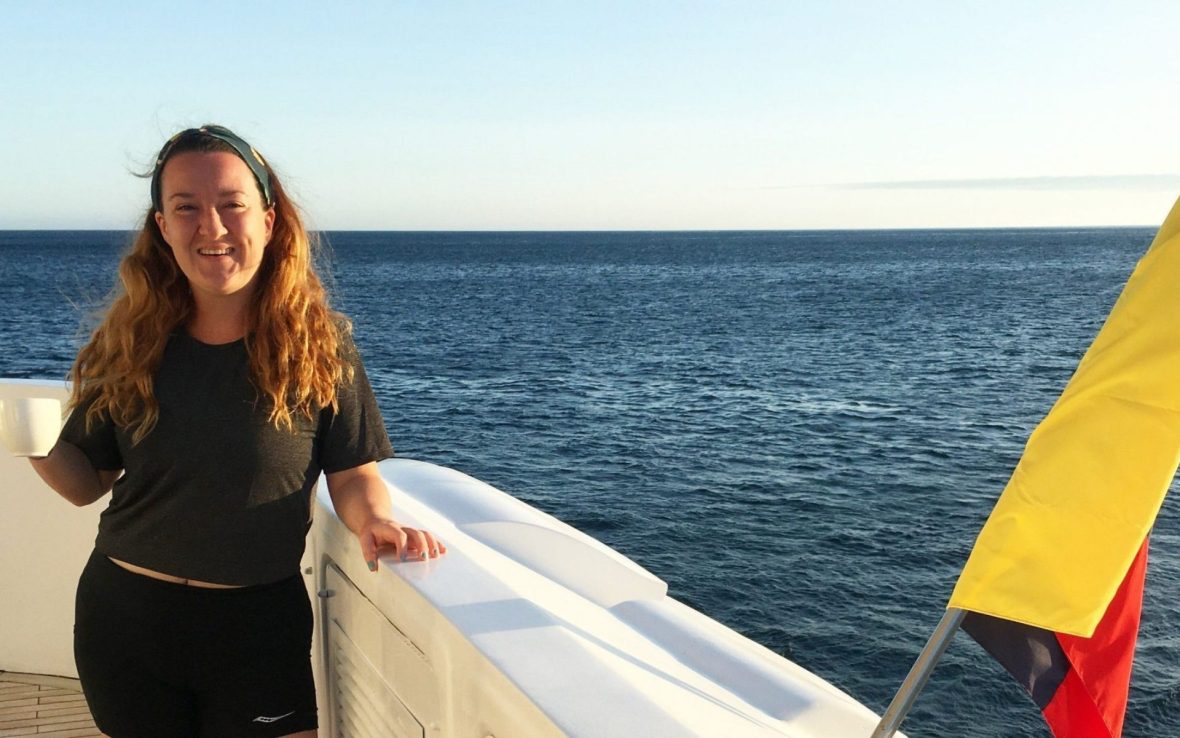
[163, 659]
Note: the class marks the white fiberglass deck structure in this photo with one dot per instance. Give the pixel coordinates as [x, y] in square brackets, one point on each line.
[527, 627]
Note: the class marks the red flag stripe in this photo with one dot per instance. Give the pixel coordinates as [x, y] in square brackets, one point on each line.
[1102, 663]
[1072, 713]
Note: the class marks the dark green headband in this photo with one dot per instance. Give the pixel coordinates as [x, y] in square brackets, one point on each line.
[247, 153]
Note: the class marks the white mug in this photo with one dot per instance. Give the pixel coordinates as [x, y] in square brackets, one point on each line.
[29, 426]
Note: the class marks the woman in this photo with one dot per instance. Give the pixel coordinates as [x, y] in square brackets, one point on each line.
[216, 389]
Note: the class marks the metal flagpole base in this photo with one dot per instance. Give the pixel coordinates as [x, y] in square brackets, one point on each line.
[907, 694]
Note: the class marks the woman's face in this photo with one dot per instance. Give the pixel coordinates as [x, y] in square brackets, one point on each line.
[215, 221]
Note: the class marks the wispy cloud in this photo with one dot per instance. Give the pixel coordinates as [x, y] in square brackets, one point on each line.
[1101, 182]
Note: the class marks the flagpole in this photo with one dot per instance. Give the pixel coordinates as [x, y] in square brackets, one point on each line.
[907, 693]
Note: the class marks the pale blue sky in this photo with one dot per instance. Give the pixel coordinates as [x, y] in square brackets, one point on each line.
[601, 115]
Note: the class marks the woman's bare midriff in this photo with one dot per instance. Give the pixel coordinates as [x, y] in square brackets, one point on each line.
[169, 577]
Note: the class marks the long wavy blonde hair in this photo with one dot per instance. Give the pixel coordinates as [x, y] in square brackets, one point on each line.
[294, 340]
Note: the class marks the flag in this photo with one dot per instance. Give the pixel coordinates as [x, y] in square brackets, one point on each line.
[1053, 586]
[1079, 684]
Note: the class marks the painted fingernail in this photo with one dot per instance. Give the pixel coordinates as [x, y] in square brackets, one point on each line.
[372, 566]
[434, 552]
[423, 555]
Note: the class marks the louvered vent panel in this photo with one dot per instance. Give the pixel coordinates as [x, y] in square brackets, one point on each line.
[364, 705]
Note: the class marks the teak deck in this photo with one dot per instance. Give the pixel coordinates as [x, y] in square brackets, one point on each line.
[43, 706]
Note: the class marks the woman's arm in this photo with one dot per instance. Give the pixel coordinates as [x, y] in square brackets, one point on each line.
[361, 500]
[67, 470]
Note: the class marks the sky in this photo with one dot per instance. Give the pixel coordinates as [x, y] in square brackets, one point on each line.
[605, 115]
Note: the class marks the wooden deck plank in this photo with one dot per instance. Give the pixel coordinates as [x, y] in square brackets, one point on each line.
[60, 699]
[43, 707]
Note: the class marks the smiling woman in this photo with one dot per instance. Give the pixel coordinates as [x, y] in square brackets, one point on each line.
[216, 390]
[218, 226]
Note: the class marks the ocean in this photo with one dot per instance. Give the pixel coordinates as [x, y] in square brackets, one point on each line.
[801, 432]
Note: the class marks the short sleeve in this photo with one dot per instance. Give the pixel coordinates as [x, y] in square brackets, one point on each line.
[355, 433]
[100, 444]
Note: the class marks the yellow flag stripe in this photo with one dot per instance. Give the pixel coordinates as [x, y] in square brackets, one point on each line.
[1095, 471]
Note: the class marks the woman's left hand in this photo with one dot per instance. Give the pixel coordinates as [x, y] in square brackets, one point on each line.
[409, 544]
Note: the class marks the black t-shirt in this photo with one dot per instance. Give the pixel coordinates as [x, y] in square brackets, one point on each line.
[215, 492]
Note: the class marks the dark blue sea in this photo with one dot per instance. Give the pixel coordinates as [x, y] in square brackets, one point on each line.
[801, 432]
